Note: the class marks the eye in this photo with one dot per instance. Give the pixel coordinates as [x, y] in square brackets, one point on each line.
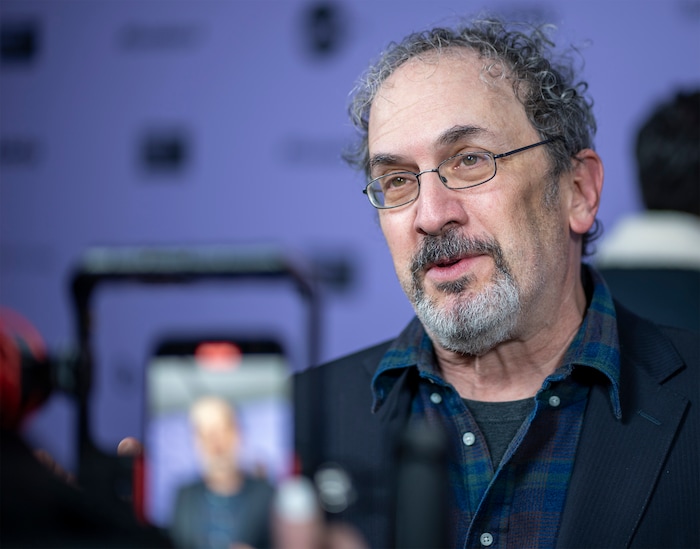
[396, 181]
[469, 160]
[467, 169]
[467, 164]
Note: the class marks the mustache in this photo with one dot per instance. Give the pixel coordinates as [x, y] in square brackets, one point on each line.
[452, 246]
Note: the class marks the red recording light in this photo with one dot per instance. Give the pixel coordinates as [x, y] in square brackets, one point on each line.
[218, 355]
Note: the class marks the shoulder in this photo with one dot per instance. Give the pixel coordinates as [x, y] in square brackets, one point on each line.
[686, 342]
[257, 494]
[359, 365]
[190, 490]
[333, 408]
[257, 485]
[343, 382]
[636, 331]
[671, 356]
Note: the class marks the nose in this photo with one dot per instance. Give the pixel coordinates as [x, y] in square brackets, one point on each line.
[438, 208]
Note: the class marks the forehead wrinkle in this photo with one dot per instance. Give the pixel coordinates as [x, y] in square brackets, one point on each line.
[451, 136]
[447, 138]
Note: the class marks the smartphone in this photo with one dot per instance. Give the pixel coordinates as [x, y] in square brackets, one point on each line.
[213, 404]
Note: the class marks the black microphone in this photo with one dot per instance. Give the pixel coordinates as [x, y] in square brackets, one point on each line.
[422, 488]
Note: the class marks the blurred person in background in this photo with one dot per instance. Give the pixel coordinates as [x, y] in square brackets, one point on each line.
[227, 507]
[651, 259]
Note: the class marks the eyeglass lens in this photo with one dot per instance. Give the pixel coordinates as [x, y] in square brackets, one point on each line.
[457, 172]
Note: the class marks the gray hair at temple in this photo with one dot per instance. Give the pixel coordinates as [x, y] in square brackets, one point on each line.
[544, 82]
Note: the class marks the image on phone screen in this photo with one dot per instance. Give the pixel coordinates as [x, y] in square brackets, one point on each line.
[217, 439]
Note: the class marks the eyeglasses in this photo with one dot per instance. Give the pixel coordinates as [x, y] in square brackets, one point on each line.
[461, 171]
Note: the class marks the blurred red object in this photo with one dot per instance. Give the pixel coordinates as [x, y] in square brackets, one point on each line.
[24, 369]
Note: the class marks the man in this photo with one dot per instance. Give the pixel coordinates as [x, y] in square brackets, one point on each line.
[568, 421]
[227, 508]
[651, 259]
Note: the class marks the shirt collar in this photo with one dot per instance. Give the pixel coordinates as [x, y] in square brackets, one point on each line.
[595, 345]
[413, 346]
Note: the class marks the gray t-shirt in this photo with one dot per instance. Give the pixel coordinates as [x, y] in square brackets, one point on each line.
[499, 422]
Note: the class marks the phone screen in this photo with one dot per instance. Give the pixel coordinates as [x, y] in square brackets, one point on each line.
[218, 410]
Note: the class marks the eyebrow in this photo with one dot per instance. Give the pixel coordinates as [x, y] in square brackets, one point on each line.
[451, 136]
[383, 160]
[457, 133]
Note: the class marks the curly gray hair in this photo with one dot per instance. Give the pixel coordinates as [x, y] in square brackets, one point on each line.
[554, 102]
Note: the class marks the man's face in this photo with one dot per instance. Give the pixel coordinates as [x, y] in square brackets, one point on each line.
[218, 441]
[480, 265]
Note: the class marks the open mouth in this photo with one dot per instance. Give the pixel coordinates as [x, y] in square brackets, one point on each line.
[447, 262]
[449, 269]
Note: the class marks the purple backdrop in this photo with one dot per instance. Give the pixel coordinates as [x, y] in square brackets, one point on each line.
[198, 122]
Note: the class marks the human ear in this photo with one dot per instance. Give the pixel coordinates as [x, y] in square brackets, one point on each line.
[586, 188]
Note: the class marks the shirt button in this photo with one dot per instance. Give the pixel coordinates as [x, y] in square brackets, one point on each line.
[435, 398]
[554, 401]
[468, 439]
[486, 539]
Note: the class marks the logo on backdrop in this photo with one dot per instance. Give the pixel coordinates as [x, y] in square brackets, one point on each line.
[19, 41]
[19, 152]
[324, 29]
[164, 151]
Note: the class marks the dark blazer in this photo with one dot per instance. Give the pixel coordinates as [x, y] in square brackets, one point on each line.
[40, 510]
[635, 483]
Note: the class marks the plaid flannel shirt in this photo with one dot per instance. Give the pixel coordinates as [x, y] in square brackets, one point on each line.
[519, 502]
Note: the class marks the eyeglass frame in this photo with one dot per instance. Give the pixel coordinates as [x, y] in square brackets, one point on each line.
[494, 157]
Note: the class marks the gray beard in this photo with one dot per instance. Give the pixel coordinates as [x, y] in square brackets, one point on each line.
[472, 325]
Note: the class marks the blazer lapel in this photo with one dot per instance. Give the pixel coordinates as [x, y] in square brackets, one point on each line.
[618, 461]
